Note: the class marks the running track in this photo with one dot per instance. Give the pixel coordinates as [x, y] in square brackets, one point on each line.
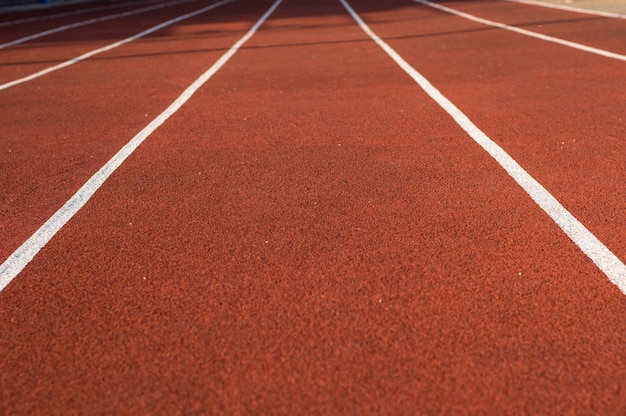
[311, 232]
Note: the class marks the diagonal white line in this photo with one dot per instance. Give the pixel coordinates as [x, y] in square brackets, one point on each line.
[570, 9]
[111, 46]
[606, 261]
[515, 29]
[89, 22]
[29, 249]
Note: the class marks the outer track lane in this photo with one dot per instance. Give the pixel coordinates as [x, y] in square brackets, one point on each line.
[15, 17]
[557, 111]
[60, 129]
[24, 59]
[15, 32]
[250, 259]
[591, 30]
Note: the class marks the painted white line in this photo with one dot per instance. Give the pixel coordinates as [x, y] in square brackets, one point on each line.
[90, 21]
[29, 249]
[536, 35]
[111, 46]
[570, 9]
[72, 13]
[606, 261]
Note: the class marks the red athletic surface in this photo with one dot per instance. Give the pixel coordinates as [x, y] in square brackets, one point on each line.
[311, 233]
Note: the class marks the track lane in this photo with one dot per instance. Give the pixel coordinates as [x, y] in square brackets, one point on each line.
[606, 261]
[556, 110]
[111, 46]
[37, 55]
[32, 16]
[605, 33]
[39, 34]
[51, 150]
[361, 264]
[27, 251]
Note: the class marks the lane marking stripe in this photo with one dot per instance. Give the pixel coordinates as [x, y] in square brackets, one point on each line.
[29, 249]
[72, 13]
[606, 261]
[570, 9]
[111, 46]
[91, 21]
[515, 29]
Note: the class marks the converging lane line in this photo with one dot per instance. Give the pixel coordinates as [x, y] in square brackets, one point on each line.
[606, 261]
[90, 21]
[29, 249]
[515, 29]
[111, 46]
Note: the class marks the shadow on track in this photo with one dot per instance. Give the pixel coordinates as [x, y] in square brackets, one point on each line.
[206, 24]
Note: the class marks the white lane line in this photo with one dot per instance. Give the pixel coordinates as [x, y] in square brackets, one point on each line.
[72, 13]
[606, 261]
[570, 9]
[111, 46]
[91, 21]
[29, 249]
[515, 29]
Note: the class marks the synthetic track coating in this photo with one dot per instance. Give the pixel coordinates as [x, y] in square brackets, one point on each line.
[310, 233]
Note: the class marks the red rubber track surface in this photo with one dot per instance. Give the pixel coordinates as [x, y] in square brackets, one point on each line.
[311, 233]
